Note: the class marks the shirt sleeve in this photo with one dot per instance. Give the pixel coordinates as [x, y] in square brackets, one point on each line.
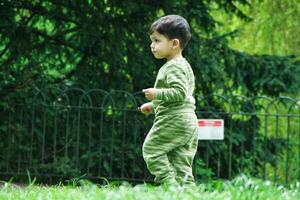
[177, 84]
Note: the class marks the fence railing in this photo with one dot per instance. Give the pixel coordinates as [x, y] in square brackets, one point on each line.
[67, 133]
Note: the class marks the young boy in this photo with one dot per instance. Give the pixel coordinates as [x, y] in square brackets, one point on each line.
[171, 144]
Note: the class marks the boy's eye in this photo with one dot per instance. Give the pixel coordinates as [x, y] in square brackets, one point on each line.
[155, 40]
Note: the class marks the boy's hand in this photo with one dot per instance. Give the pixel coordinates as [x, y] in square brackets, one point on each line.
[149, 93]
[146, 108]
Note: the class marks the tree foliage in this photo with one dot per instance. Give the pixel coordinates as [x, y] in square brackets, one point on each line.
[273, 28]
[104, 44]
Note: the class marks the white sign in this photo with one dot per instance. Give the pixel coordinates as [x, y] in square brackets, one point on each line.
[210, 129]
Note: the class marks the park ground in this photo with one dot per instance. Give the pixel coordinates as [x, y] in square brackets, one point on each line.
[240, 188]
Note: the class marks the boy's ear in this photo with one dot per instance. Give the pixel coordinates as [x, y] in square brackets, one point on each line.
[176, 43]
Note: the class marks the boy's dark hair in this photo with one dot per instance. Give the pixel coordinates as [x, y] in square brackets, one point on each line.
[173, 26]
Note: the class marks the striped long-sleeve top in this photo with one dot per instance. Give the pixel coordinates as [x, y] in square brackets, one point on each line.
[175, 84]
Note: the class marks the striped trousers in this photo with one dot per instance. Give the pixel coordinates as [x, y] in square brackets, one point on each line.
[170, 147]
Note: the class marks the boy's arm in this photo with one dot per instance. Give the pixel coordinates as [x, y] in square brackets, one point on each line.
[178, 83]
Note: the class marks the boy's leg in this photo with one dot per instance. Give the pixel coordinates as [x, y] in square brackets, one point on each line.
[166, 134]
[182, 161]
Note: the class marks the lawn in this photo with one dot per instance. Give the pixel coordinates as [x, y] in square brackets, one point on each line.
[240, 188]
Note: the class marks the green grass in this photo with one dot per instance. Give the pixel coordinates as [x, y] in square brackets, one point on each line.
[239, 189]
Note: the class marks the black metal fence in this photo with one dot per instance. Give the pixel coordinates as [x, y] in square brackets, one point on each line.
[67, 133]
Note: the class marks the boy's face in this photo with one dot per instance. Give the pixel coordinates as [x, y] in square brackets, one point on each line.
[161, 46]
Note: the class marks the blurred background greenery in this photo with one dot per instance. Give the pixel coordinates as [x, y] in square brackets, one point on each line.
[244, 46]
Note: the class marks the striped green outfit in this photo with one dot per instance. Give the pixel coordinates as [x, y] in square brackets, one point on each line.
[171, 144]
